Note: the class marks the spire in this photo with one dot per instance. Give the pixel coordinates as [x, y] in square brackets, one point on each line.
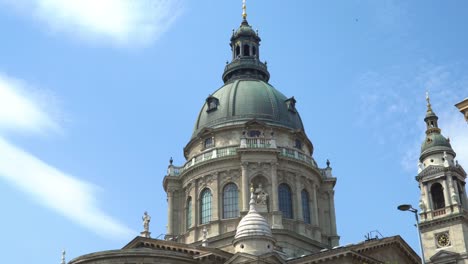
[244, 10]
[63, 257]
[431, 118]
[429, 107]
[428, 99]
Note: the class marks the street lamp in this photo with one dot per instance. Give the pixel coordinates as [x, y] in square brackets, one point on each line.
[408, 207]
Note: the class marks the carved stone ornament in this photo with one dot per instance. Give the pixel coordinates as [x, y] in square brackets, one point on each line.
[431, 170]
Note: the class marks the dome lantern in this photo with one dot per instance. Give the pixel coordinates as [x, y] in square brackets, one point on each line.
[245, 47]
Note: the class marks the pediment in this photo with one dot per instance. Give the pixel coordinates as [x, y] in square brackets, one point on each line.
[255, 122]
[431, 170]
[205, 131]
[444, 255]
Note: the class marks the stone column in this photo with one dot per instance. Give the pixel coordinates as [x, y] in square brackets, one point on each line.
[448, 201]
[245, 186]
[277, 219]
[430, 206]
[331, 201]
[170, 213]
[299, 215]
[334, 238]
[315, 219]
[214, 197]
[274, 187]
[195, 203]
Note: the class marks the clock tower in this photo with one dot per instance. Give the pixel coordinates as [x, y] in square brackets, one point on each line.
[443, 202]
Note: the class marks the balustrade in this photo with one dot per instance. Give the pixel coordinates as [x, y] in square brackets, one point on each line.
[231, 151]
[438, 212]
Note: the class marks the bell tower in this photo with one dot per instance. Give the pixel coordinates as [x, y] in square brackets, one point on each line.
[443, 202]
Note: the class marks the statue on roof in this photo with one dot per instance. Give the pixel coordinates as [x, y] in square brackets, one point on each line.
[146, 220]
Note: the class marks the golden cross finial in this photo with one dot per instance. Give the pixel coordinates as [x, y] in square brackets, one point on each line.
[428, 99]
[244, 10]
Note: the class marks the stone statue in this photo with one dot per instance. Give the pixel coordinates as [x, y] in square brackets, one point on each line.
[420, 166]
[454, 198]
[422, 205]
[446, 162]
[262, 196]
[205, 233]
[146, 220]
[205, 237]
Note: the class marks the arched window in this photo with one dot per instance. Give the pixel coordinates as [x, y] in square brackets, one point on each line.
[305, 206]
[230, 201]
[254, 50]
[237, 50]
[205, 206]
[246, 50]
[437, 193]
[285, 200]
[188, 212]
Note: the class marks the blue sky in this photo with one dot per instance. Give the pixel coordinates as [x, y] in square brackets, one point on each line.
[96, 97]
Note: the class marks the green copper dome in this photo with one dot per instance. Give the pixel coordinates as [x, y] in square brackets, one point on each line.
[242, 100]
[435, 142]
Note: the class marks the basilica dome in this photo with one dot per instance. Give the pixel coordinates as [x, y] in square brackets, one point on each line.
[241, 100]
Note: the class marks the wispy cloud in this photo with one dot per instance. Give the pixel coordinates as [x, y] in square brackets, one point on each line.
[51, 187]
[19, 112]
[121, 22]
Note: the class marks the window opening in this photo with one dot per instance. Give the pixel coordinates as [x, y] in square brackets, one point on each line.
[254, 133]
[208, 143]
[205, 206]
[230, 201]
[298, 144]
[246, 50]
[285, 201]
[437, 192]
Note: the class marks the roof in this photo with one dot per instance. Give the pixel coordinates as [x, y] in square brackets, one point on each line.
[436, 142]
[243, 100]
[364, 251]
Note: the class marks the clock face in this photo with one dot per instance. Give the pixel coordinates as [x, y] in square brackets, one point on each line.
[443, 240]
